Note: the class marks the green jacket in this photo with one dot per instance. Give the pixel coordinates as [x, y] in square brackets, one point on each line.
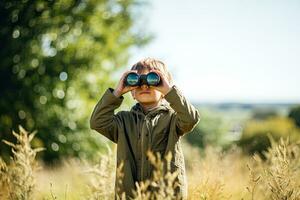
[135, 132]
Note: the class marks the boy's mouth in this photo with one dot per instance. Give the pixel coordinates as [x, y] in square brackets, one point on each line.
[144, 92]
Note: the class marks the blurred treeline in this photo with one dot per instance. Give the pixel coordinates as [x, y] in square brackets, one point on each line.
[250, 129]
[56, 58]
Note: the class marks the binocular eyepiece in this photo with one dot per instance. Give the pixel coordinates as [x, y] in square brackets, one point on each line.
[150, 79]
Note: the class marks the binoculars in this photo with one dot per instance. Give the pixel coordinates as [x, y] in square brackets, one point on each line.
[150, 79]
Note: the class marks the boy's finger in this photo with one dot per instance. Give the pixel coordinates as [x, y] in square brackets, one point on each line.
[154, 87]
[132, 87]
[159, 73]
[124, 74]
[129, 71]
[152, 70]
[134, 70]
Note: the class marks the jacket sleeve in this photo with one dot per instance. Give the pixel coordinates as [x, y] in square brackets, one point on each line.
[186, 115]
[103, 119]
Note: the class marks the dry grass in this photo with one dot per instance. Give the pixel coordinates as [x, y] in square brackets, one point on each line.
[101, 177]
[68, 181]
[162, 185]
[17, 178]
[217, 175]
[279, 173]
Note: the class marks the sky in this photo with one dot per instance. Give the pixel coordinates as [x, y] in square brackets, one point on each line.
[228, 51]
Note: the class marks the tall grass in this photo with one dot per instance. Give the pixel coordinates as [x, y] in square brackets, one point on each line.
[279, 173]
[17, 179]
[101, 177]
[218, 175]
[162, 184]
[215, 176]
[3, 179]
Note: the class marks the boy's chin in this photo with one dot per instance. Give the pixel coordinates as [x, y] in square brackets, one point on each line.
[147, 101]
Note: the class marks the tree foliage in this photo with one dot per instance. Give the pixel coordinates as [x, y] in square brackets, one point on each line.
[256, 133]
[294, 114]
[56, 59]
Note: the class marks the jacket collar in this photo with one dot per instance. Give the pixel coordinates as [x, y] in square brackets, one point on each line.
[137, 108]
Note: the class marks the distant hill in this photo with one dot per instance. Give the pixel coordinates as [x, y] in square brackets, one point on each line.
[246, 106]
[229, 108]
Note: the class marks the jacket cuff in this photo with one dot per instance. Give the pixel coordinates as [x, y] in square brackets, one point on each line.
[174, 96]
[110, 98]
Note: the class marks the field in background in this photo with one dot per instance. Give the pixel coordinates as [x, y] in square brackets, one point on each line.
[216, 175]
[213, 172]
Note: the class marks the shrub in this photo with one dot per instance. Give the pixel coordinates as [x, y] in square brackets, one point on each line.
[255, 133]
[294, 114]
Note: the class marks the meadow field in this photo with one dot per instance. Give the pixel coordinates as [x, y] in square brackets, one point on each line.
[211, 174]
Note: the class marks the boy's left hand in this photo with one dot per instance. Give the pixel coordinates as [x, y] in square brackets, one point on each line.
[164, 87]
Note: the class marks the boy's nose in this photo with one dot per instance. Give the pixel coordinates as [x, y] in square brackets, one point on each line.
[144, 86]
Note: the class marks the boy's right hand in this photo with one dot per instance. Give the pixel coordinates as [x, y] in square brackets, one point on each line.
[121, 87]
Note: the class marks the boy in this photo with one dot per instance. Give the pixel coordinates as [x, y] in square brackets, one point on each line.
[156, 123]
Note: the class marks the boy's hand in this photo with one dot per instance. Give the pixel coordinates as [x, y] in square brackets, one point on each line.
[165, 86]
[121, 87]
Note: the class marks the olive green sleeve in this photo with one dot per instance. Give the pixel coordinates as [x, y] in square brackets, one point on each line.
[103, 119]
[187, 116]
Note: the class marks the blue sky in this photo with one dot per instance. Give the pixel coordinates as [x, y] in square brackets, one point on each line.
[233, 50]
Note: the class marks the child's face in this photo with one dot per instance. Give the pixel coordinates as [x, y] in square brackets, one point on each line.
[144, 94]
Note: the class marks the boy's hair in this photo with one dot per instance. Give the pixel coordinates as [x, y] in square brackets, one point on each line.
[151, 63]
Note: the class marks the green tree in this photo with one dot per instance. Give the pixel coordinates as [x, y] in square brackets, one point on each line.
[255, 136]
[211, 130]
[262, 114]
[294, 114]
[56, 59]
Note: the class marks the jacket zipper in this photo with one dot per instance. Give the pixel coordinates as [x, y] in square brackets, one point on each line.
[142, 151]
[148, 129]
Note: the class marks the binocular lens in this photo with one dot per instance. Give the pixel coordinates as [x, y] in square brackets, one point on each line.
[132, 79]
[153, 79]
